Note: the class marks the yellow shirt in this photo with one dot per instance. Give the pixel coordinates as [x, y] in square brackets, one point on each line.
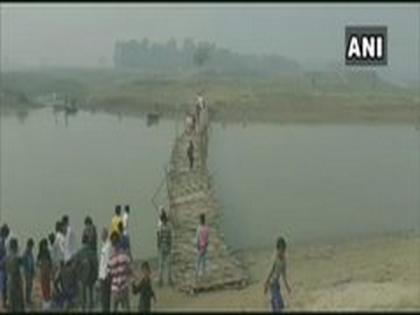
[114, 223]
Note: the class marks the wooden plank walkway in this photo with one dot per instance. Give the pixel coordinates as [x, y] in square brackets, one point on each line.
[191, 193]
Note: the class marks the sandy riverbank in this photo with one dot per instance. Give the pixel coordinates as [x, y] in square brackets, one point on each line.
[371, 274]
[381, 273]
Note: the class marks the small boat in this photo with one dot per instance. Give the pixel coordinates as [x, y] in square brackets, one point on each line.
[70, 109]
[152, 118]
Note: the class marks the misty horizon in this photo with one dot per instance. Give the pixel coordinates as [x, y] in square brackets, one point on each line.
[84, 35]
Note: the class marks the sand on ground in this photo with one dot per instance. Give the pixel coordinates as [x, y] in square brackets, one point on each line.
[372, 274]
[380, 273]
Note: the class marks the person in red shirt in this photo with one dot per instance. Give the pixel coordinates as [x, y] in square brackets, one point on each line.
[120, 272]
[202, 240]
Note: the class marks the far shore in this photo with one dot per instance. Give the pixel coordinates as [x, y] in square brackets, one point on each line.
[282, 114]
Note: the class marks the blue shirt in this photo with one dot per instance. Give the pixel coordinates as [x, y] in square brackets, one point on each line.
[2, 253]
[28, 263]
[124, 242]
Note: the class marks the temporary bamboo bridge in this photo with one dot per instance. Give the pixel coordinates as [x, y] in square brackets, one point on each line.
[190, 193]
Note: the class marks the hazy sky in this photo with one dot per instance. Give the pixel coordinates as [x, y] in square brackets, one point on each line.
[79, 34]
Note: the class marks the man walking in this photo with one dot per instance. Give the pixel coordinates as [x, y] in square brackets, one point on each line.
[190, 154]
[202, 245]
[70, 239]
[164, 248]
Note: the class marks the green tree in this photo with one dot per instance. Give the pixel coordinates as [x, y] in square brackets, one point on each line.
[202, 53]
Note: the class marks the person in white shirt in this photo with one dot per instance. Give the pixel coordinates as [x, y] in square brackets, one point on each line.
[160, 211]
[8, 238]
[189, 123]
[198, 107]
[202, 118]
[104, 278]
[125, 219]
[70, 239]
[59, 242]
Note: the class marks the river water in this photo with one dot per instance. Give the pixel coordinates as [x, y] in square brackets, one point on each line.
[306, 182]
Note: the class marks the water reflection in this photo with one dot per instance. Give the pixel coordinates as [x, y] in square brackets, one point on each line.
[280, 177]
[315, 182]
[48, 168]
[22, 115]
[66, 113]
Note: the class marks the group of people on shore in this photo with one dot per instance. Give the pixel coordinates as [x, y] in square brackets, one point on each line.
[55, 253]
[68, 274]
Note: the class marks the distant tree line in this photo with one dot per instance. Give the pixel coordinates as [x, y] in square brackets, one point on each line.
[146, 54]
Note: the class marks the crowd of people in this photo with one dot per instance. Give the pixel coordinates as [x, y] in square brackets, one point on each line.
[68, 274]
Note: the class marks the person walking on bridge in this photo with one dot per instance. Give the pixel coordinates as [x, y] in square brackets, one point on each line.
[164, 244]
[202, 239]
[190, 154]
[198, 107]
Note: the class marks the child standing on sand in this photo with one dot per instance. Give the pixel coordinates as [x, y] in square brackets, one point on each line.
[277, 270]
[144, 288]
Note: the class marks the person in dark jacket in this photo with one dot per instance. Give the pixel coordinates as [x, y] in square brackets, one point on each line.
[90, 232]
[28, 263]
[164, 237]
[190, 154]
[65, 287]
[87, 271]
[14, 276]
[4, 234]
[145, 290]
[3, 273]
